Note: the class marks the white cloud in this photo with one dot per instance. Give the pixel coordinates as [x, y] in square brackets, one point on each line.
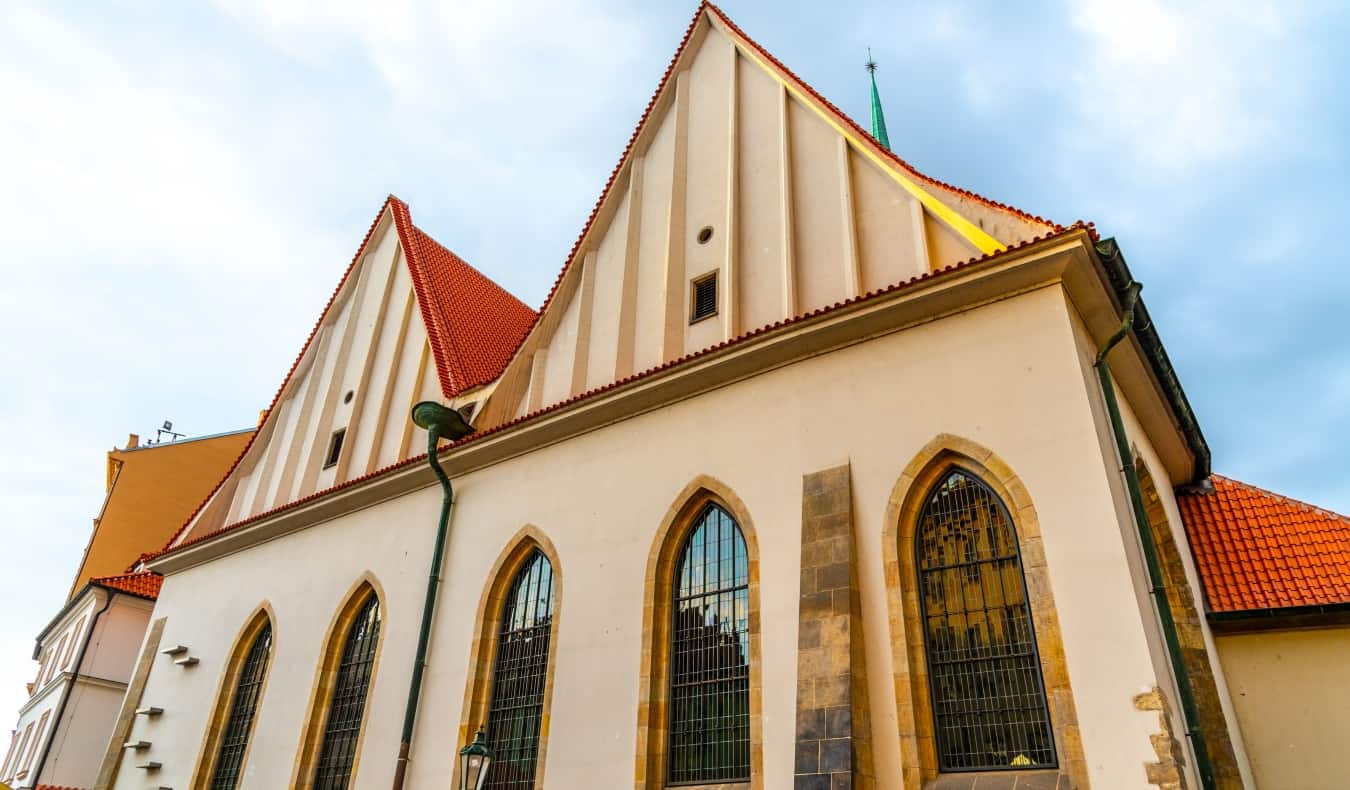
[178, 203]
[1175, 88]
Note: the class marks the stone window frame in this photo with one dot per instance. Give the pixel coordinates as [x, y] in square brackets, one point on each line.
[483, 649]
[209, 751]
[321, 692]
[653, 715]
[918, 745]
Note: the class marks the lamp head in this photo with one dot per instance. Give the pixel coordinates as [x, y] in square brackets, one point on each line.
[475, 759]
[449, 423]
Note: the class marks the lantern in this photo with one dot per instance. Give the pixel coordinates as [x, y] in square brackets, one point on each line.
[474, 761]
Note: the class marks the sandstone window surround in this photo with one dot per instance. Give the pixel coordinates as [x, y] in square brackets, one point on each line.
[528, 548]
[918, 741]
[330, 748]
[225, 746]
[652, 767]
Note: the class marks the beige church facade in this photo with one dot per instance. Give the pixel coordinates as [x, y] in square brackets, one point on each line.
[803, 476]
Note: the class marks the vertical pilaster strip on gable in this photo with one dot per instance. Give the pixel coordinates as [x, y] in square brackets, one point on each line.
[732, 280]
[391, 383]
[582, 359]
[537, 367]
[920, 236]
[833, 737]
[676, 312]
[405, 443]
[363, 381]
[131, 700]
[852, 274]
[309, 482]
[789, 264]
[271, 449]
[290, 459]
[628, 290]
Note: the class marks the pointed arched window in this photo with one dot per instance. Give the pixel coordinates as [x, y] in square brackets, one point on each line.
[520, 676]
[710, 654]
[342, 728]
[984, 674]
[238, 725]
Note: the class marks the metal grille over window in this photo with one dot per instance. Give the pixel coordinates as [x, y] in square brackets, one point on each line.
[704, 297]
[710, 655]
[244, 705]
[519, 676]
[343, 727]
[984, 674]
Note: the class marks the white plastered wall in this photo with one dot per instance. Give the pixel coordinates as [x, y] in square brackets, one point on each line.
[600, 497]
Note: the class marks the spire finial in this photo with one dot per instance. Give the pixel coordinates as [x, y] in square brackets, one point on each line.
[878, 117]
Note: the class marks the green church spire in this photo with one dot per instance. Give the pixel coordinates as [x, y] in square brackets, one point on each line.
[878, 117]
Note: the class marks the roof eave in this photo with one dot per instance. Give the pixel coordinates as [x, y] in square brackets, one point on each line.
[1118, 273]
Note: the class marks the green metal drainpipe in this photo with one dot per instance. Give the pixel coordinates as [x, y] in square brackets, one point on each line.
[1156, 586]
[439, 421]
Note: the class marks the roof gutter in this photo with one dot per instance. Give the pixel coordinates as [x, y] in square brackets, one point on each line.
[1118, 273]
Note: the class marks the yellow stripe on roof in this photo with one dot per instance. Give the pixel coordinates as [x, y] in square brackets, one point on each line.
[972, 233]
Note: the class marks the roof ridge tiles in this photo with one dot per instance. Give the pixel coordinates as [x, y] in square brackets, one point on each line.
[1282, 497]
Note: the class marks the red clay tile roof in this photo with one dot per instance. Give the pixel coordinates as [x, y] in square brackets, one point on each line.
[144, 584]
[1258, 550]
[473, 323]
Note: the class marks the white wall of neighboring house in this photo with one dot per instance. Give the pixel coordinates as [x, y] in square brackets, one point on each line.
[76, 741]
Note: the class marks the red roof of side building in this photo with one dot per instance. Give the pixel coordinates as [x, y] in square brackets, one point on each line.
[1257, 550]
[144, 584]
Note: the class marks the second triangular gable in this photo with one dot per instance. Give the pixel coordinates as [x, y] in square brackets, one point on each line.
[741, 173]
[343, 410]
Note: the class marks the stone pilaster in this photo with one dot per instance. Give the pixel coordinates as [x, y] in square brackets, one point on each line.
[833, 739]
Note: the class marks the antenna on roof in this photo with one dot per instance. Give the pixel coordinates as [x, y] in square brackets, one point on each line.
[165, 430]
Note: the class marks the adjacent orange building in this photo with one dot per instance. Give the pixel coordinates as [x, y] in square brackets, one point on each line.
[152, 490]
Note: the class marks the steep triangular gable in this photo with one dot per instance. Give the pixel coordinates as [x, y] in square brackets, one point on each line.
[409, 321]
[739, 170]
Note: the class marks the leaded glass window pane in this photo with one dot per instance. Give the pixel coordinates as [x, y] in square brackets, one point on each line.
[348, 707]
[519, 675]
[984, 673]
[710, 655]
[243, 706]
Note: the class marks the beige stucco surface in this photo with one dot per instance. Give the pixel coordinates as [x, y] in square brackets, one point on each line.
[1291, 691]
[78, 739]
[600, 498]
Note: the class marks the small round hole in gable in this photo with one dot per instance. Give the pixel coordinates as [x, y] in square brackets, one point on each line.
[348, 397]
[705, 235]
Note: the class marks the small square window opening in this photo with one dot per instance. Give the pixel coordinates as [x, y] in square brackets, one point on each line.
[703, 298]
[334, 448]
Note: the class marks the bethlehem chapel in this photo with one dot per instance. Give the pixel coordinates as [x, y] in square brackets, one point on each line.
[812, 471]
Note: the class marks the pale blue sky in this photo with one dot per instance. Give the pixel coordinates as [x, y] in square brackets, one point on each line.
[182, 184]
